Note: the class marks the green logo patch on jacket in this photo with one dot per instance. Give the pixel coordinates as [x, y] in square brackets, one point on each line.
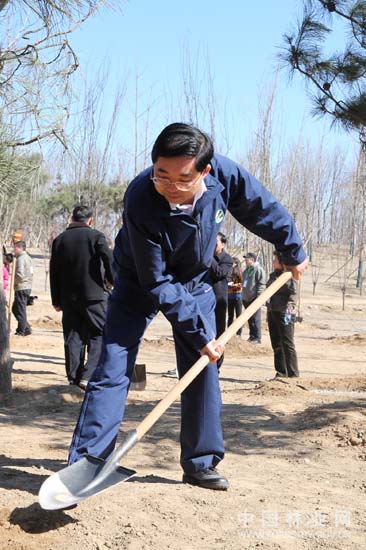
[219, 216]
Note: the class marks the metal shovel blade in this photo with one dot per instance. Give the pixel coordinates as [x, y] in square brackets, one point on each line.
[79, 481]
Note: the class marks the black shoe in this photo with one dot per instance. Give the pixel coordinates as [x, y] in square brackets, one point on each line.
[27, 331]
[208, 479]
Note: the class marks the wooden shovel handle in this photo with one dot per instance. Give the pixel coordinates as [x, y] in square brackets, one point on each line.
[199, 365]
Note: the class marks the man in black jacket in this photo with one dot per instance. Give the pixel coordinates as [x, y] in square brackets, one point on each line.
[221, 267]
[80, 271]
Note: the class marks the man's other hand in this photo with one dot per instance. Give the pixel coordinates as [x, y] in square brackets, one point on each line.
[213, 350]
[298, 270]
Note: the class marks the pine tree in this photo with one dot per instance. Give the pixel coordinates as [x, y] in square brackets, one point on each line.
[336, 81]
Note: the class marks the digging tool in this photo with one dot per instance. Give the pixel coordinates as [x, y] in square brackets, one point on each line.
[90, 475]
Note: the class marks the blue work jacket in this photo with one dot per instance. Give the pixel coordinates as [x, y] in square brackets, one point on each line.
[169, 253]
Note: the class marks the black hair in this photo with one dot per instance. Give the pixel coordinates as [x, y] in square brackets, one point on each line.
[184, 140]
[20, 244]
[250, 256]
[8, 258]
[81, 213]
[236, 273]
[222, 237]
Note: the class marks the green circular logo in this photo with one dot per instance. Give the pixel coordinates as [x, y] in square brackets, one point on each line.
[219, 216]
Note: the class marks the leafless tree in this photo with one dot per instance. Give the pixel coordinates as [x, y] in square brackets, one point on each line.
[36, 62]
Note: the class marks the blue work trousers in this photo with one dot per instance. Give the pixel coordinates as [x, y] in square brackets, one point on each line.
[130, 311]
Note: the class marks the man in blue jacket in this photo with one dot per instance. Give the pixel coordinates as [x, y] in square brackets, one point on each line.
[163, 253]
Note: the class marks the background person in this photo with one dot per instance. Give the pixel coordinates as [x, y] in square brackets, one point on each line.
[254, 283]
[7, 260]
[281, 322]
[235, 295]
[22, 288]
[80, 263]
[221, 267]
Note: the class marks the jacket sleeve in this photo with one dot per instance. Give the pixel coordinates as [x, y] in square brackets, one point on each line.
[54, 273]
[221, 269]
[105, 254]
[257, 209]
[260, 281]
[169, 295]
[293, 286]
[19, 270]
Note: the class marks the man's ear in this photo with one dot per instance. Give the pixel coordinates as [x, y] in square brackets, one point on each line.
[90, 222]
[206, 170]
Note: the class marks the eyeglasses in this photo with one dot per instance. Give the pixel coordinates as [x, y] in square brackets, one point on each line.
[181, 185]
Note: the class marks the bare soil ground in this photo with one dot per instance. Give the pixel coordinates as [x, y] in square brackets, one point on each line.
[296, 450]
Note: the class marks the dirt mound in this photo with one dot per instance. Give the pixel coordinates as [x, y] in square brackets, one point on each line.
[334, 424]
[47, 322]
[338, 385]
[358, 339]
[238, 347]
[278, 388]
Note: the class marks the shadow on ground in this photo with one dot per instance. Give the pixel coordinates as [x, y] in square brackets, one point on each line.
[37, 358]
[33, 519]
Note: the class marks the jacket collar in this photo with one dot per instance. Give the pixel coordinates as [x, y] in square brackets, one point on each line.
[214, 188]
[73, 225]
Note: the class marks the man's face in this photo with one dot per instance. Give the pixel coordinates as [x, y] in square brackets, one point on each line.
[249, 261]
[178, 169]
[17, 250]
[219, 245]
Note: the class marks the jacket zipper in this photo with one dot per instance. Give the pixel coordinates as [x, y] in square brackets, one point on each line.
[199, 237]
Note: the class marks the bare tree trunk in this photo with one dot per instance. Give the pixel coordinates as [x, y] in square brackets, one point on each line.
[343, 290]
[6, 362]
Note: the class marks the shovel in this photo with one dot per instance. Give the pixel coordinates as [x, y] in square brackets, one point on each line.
[90, 475]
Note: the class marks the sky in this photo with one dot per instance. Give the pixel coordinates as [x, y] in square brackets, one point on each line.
[236, 42]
